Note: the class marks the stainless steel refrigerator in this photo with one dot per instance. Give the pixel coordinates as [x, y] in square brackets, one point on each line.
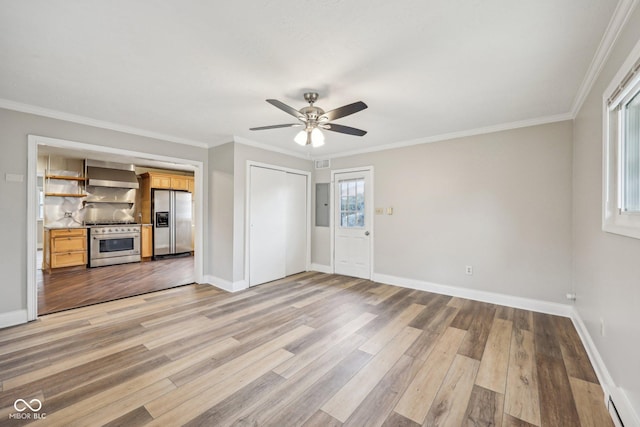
[171, 222]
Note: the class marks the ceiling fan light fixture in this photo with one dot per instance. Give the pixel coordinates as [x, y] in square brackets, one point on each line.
[301, 138]
[317, 138]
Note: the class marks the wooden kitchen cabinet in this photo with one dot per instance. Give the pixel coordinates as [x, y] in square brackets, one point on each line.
[64, 247]
[146, 245]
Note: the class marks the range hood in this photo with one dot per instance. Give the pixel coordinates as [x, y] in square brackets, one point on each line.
[109, 174]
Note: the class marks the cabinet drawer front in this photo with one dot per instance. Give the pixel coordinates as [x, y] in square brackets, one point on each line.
[161, 182]
[68, 244]
[68, 232]
[179, 183]
[68, 259]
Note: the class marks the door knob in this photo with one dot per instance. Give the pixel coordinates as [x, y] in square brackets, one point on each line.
[366, 233]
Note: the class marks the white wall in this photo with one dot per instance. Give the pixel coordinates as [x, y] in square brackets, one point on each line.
[606, 271]
[220, 241]
[14, 128]
[500, 202]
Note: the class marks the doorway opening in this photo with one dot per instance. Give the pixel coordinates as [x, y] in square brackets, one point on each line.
[76, 204]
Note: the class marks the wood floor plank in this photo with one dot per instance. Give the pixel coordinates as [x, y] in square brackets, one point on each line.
[397, 420]
[304, 358]
[521, 396]
[122, 407]
[341, 356]
[64, 290]
[589, 398]
[504, 313]
[207, 397]
[287, 353]
[523, 319]
[344, 403]
[223, 412]
[475, 340]
[485, 408]
[575, 357]
[322, 419]
[492, 374]
[386, 334]
[546, 337]
[511, 421]
[417, 399]
[303, 406]
[557, 405]
[204, 382]
[134, 418]
[379, 403]
[450, 404]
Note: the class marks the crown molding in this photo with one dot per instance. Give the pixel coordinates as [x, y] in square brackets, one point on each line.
[73, 118]
[455, 135]
[619, 18]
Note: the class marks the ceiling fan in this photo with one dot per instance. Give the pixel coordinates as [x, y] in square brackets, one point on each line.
[313, 118]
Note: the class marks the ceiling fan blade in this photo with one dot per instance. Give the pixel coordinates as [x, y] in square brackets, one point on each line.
[344, 129]
[343, 111]
[289, 125]
[284, 107]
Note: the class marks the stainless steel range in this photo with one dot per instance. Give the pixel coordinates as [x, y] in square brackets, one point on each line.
[113, 244]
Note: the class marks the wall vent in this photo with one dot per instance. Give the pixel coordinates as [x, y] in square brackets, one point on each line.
[323, 164]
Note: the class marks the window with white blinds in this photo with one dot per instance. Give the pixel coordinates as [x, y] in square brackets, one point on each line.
[630, 162]
[621, 201]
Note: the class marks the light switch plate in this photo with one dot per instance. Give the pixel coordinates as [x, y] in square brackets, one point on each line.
[389, 211]
[379, 211]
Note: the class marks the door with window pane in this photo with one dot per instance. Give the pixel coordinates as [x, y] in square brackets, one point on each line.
[352, 224]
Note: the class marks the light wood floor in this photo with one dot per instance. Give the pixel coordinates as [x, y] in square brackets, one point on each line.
[312, 350]
[62, 290]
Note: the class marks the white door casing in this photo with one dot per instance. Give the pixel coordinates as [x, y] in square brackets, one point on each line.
[353, 223]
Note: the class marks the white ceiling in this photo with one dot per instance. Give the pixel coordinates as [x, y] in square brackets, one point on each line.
[200, 71]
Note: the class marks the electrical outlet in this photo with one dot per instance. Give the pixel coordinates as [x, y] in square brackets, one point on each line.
[468, 270]
[379, 211]
[602, 326]
[389, 211]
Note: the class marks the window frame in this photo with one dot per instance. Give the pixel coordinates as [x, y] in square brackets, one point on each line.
[621, 89]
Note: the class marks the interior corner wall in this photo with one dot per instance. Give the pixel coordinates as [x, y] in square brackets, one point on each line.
[242, 154]
[606, 270]
[14, 129]
[500, 202]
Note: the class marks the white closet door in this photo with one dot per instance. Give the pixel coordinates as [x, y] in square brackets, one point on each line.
[296, 219]
[267, 242]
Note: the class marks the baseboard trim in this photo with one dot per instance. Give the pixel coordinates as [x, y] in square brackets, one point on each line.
[484, 296]
[623, 406]
[225, 285]
[321, 268]
[12, 318]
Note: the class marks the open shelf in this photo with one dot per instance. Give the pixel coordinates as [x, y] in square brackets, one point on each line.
[64, 195]
[66, 178]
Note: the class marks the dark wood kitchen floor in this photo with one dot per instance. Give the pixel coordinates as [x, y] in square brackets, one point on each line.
[63, 290]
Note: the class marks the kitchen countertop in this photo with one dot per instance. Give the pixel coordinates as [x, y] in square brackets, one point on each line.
[46, 227]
